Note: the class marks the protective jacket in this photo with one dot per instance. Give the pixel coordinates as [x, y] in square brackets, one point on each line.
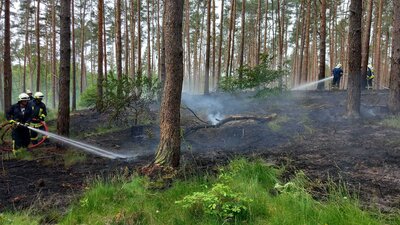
[39, 111]
[19, 114]
[337, 72]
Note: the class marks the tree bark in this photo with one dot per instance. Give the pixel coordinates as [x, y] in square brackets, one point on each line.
[168, 152]
[99, 103]
[322, 48]
[37, 47]
[221, 32]
[65, 68]
[242, 38]
[148, 41]
[394, 94]
[208, 51]
[139, 44]
[133, 28]
[26, 47]
[82, 45]
[7, 57]
[73, 58]
[354, 77]
[118, 40]
[307, 42]
[258, 46]
[214, 39]
[230, 37]
[365, 43]
[378, 37]
[54, 57]
[187, 31]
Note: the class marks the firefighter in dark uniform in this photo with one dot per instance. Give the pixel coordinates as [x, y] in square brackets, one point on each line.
[19, 114]
[29, 93]
[39, 113]
[337, 73]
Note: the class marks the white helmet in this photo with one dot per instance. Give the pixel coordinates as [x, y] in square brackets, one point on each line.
[23, 97]
[339, 65]
[370, 67]
[38, 95]
[28, 91]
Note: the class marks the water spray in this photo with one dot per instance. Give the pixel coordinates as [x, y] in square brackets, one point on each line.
[305, 86]
[85, 147]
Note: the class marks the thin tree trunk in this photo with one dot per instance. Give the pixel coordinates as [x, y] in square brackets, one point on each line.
[300, 79]
[168, 152]
[126, 40]
[73, 59]
[322, 48]
[187, 31]
[208, 50]
[214, 35]
[83, 45]
[133, 28]
[233, 39]
[37, 47]
[266, 28]
[377, 60]
[258, 45]
[105, 46]
[26, 45]
[353, 89]
[221, 32]
[242, 38]
[394, 94]
[65, 68]
[139, 44]
[230, 37]
[159, 42]
[307, 42]
[118, 40]
[7, 57]
[148, 42]
[99, 103]
[365, 42]
[54, 57]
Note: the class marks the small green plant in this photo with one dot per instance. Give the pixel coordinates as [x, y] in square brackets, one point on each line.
[259, 77]
[392, 121]
[89, 97]
[219, 201]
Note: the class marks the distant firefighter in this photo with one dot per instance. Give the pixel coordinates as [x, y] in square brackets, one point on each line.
[337, 73]
[370, 76]
[39, 113]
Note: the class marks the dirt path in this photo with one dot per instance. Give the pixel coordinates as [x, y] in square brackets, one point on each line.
[309, 134]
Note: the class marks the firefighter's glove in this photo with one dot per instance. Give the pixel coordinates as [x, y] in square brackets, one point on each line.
[12, 121]
[41, 117]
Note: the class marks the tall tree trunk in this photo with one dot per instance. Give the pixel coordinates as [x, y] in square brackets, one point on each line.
[65, 67]
[214, 39]
[378, 37]
[322, 48]
[258, 46]
[37, 47]
[118, 40]
[126, 34]
[133, 28]
[233, 39]
[187, 31]
[242, 38]
[148, 41]
[139, 41]
[99, 103]
[228, 50]
[208, 51]
[307, 42]
[82, 45]
[394, 94]
[195, 50]
[281, 16]
[54, 57]
[266, 28]
[73, 59]
[26, 47]
[353, 89]
[300, 79]
[168, 152]
[7, 57]
[221, 32]
[159, 42]
[105, 45]
[365, 43]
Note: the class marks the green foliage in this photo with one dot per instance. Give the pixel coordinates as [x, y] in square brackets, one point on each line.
[20, 218]
[219, 201]
[89, 97]
[392, 121]
[243, 193]
[129, 97]
[260, 77]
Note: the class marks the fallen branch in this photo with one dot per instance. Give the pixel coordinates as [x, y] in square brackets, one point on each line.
[230, 119]
[185, 107]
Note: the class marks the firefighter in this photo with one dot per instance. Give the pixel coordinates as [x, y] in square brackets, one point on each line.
[19, 115]
[29, 93]
[370, 76]
[39, 113]
[337, 73]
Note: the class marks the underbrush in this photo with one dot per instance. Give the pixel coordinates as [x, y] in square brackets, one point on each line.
[242, 193]
[392, 121]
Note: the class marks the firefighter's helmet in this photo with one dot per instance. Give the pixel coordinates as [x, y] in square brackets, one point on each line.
[23, 97]
[39, 95]
[28, 91]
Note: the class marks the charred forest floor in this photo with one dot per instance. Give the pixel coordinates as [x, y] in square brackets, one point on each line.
[310, 133]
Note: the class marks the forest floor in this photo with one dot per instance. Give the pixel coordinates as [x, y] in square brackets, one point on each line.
[309, 133]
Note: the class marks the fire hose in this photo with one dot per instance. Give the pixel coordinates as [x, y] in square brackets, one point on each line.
[7, 127]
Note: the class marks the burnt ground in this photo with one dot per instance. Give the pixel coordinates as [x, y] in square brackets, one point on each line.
[310, 133]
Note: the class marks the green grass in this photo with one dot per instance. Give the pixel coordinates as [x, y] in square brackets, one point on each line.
[392, 121]
[276, 125]
[20, 218]
[253, 185]
[73, 157]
